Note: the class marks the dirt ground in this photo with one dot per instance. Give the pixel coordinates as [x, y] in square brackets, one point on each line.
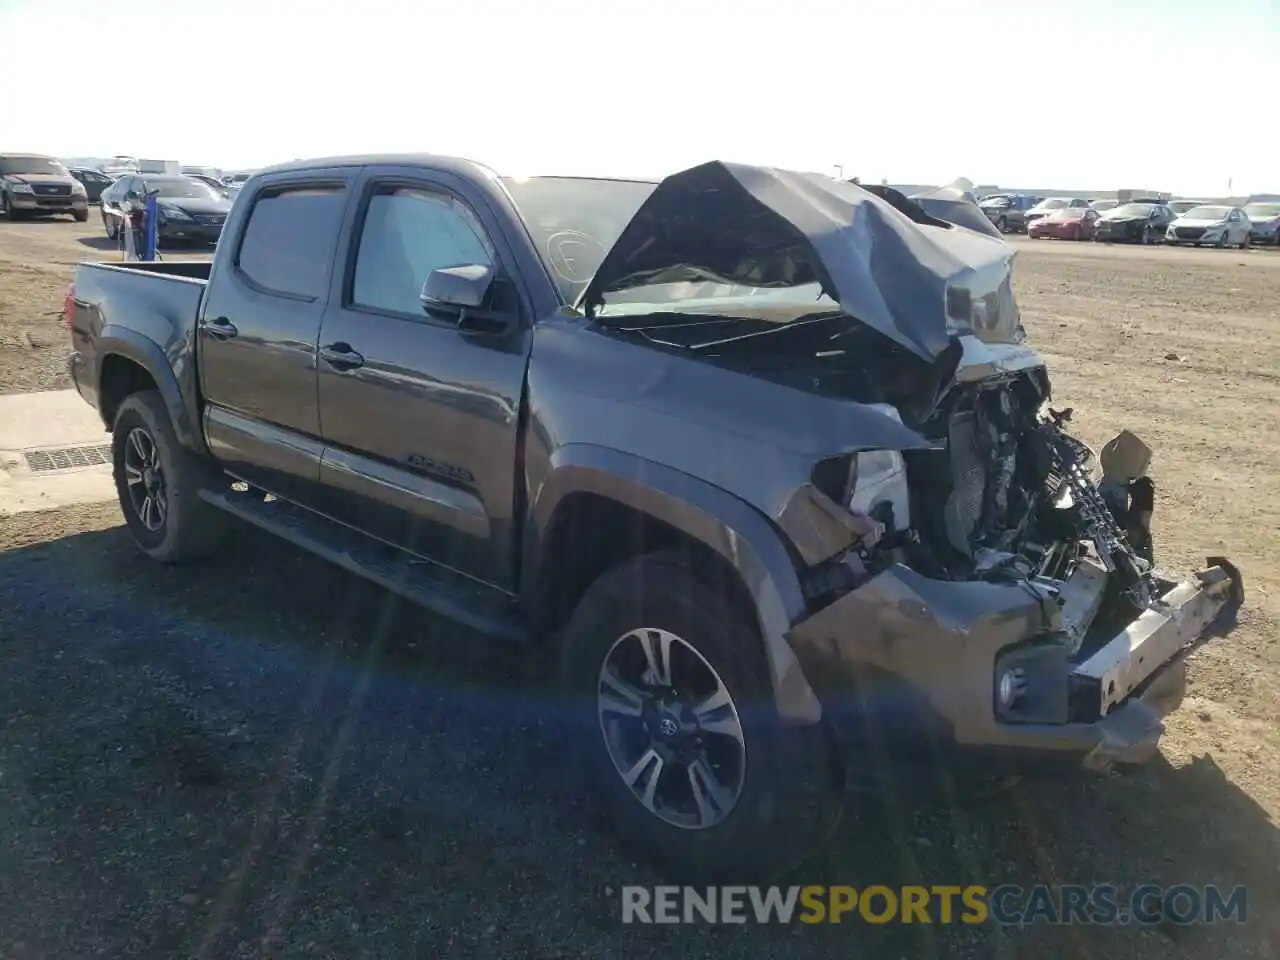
[206, 763]
[37, 260]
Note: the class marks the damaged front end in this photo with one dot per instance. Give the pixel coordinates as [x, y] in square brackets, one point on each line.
[982, 578]
[1016, 608]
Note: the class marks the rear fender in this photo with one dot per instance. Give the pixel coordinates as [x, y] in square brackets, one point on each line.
[123, 342]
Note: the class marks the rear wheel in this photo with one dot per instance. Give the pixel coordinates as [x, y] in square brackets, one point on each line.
[677, 734]
[158, 482]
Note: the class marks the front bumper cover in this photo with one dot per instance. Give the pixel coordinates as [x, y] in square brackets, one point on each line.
[920, 656]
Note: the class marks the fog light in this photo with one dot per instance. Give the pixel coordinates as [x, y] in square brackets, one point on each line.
[1013, 684]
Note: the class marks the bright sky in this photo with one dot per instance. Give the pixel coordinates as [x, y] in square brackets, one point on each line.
[1096, 94]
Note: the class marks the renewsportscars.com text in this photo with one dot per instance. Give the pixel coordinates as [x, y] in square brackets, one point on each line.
[1007, 904]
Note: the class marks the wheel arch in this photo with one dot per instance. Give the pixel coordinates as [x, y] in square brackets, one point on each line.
[598, 507]
[131, 361]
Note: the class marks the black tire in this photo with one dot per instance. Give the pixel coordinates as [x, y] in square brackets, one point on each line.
[786, 803]
[1002, 225]
[189, 529]
[1145, 239]
[82, 216]
[109, 224]
[1221, 243]
[5, 208]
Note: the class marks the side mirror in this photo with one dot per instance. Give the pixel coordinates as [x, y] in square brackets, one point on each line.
[464, 295]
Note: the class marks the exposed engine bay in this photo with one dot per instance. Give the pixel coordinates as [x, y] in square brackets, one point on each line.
[1008, 495]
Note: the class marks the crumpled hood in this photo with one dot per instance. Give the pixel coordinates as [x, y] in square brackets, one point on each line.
[763, 227]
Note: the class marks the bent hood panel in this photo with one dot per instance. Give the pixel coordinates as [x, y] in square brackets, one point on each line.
[759, 226]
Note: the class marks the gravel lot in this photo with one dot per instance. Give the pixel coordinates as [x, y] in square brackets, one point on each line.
[201, 763]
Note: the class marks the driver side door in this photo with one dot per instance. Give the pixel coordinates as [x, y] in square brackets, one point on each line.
[420, 418]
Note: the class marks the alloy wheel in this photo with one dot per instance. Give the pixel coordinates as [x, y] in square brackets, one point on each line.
[144, 477]
[671, 728]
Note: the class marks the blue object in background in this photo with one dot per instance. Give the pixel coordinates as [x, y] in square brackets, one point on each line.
[152, 244]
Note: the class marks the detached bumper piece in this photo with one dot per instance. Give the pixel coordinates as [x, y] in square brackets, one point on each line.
[1139, 676]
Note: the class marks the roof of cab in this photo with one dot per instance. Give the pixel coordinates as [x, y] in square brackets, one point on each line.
[459, 165]
[452, 164]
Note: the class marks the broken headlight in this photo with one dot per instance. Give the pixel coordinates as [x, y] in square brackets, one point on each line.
[992, 316]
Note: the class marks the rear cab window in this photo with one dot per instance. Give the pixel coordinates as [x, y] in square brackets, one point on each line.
[286, 248]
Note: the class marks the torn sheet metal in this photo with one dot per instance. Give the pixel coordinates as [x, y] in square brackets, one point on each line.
[918, 284]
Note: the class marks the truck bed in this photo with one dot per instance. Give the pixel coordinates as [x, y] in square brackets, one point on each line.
[145, 311]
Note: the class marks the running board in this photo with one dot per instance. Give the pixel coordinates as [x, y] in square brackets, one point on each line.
[438, 589]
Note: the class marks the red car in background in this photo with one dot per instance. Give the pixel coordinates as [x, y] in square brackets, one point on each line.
[1067, 223]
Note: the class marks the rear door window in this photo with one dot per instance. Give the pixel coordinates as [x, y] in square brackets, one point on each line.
[287, 246]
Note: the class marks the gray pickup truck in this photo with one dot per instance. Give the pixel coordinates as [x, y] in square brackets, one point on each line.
[760, 458]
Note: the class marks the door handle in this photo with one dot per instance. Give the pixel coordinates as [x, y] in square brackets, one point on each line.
[341, 357]
[220, 328]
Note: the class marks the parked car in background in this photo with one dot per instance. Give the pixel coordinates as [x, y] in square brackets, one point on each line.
[1102, 206]
[33, 185]
[211, 182]
[187, 208]
[1008, 211]
[93, 181]
[1182, 206]
[201, 172]
[1137, 222]
[1264, 220]
[1050, 204]
[1216, 225]
[234, 181]
[1065, 223]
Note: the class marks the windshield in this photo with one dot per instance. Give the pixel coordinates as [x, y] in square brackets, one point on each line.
[181, 189]
[1053, 203]
[1262, 211]
[574, 221]
[1067, 213]
[1207, 213]
[1130, 210]
[11, 166]
[996, 202]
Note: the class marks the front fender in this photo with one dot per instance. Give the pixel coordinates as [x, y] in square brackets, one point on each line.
[729, 526]
[124, 342]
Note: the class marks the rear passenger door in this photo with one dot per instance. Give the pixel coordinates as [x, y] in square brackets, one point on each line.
[420, 417]
[259, 326]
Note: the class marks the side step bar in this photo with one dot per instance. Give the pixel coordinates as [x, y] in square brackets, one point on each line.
[438, 589]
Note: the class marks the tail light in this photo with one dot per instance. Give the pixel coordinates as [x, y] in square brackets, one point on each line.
[69, 305]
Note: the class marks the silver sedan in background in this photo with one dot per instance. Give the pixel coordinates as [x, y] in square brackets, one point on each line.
[1264, 219]
[1216, 225]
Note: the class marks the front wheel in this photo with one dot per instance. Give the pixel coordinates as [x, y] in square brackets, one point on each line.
[678, 736]
[82, 216]
[158, 482]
